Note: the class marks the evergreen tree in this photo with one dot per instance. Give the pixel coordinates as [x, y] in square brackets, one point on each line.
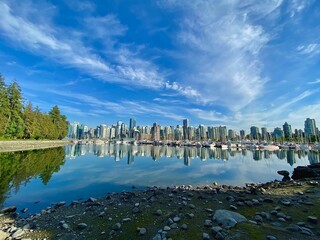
[4, 107]
[60, 123]
[15, 125]
[30, 121]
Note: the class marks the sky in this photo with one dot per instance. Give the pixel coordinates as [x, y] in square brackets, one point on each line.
[233, 62]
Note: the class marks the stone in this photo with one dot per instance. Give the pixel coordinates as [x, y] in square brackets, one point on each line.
[285, 202]
[24, 210]
[228, 219]
[190, 215]
[112, 233]
[174, 226]
[205, 236]
[65, 226]
[176, 219]
[91, 199]
[216, 229]
[26, 227]
[270, 237]
[258, 218]
[9, 209]
[184, 226]
[312, 219]
[293, 228]
[158, 212]
[192, 206]
[166, 228]
[18, 234]
[306, 231]
[82, 226]
[135, 210]
[301, 172]
[232, 207]
[142, 231]
[60, 204]
[126, 220]
[116, 226]
[285, 175]
[208, 223]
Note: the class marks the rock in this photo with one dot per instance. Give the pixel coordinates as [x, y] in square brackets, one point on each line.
[293, 228]
[258, 218]
[184, 226]
[135, 210]
[176, 219]
[208, 223]
[9, 209]
[117, 226]
[112, 233]
[142, 231]
[190, 215]
[301, 172]
[65, 226]
[174, 226]
[59, 204]
[158, 212]
[270, 237]
[205, 236]
[24, 210]
[228, 219]
[126, 220]
[232, 207]
[82, 226]
[26, 227]
[285, 202]
[18, 234]
[312, 219]
[192, 206]
[216, 229]
[91, 199]
[285, 175]
[166, 228]
[268, 200]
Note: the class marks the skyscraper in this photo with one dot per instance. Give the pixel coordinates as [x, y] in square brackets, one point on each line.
[254, 132]
[309, 127]
[132, 123]
[185, 129]
[287, 130]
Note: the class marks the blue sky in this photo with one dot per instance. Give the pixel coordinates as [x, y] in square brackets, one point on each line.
[235, 63]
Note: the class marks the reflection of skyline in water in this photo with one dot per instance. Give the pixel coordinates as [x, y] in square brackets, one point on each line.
[129, 152]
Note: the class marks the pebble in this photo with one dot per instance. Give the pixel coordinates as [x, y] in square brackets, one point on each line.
[24, 210]
[190, 215]
[166, 228]
[270, 237]
[205, 236]
[82, 226]
[192, 206]
[312, 219]
[158, 212]
[126, 220]
[142, 231]
[232, 207]
[17, 234]
[9, 209]
[208, 223]
[258, 218]
[216, 229]
[65, 226]
[176, 219]
[117, 226]
[184, 226]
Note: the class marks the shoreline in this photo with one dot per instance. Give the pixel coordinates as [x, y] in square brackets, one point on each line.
[272, 210]
[25, 145]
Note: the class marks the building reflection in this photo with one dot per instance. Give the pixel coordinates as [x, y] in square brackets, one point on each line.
[129, 152]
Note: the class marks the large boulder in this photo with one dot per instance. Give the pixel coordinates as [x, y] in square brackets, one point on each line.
[310, 171]
[228, 219]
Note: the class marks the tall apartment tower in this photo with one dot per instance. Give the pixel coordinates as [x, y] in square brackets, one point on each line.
[287, 130]
[310, 127]
[185, 129]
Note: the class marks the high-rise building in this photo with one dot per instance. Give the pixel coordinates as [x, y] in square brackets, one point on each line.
[278, 133]
[242, 134]
[202, 132]
[309, 127]
[254, 132]
[222, 133]
[185, 129]
[132, 124]
[264, 133]
[155, 132]
[287, 130]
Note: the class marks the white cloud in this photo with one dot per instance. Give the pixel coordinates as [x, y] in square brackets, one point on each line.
[219, 44]
[315, 81]
[296, 6]
[311, 49]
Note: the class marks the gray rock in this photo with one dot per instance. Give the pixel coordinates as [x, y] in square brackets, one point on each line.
[9, 209]
[117, 226]
[135, 210]
[166, 228]
[91, 199]
[176, 219]
[232, 207]
[190, 215]
[293, 228]
[65, 226]
[184, 226]
[306, 231]
[142, 231]
[158, 212]
[60, 204]
[285, 202]
[170, 221]
[82, 226]
[24, 210]
[216, 229]
[258, 218]
[174, 226]
[112, 233]
[270, 237]
[208, 223]
[18, 234]
[126, 220]
[205, 236]
[312, 219]
[228, 219]
[192, 206]
[26, 227]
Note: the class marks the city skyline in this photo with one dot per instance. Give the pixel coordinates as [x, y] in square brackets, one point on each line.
[230, 63]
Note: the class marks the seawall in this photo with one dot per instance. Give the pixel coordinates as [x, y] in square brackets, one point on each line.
[23, 145]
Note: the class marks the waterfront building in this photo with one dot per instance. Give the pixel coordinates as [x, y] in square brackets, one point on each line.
[222, 133]
[132, 123]
[185, 128]
[191, 134]
[202, 132]
[103, 131]
[242, 134]
[309, 127]
[232, 135]
[278, 133]
[155, 132]
[287, 130]
[179, 132]
[264, 134]
[254, 132]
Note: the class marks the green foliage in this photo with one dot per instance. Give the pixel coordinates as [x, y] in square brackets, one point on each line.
[24, 122]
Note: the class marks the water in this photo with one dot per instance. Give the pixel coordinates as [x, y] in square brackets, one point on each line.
[36, 179]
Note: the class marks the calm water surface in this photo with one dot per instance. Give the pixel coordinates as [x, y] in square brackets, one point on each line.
[35, 179]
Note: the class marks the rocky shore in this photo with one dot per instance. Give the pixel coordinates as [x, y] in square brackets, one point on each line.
[23, 145]
[273, 210]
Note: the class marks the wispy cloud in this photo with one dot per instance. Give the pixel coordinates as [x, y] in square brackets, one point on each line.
[315, 81]
[311, 49]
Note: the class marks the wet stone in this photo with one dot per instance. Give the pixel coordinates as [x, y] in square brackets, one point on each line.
[184, 226]
[116, 226]
[312, 219]
[142, 231]
[205, 236]
[158, 212]
[270, 237]
[82, 226]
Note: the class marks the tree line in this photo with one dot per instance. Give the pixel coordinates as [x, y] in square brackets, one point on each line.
[20, 121]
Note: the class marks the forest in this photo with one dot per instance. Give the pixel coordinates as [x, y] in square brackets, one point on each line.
[22, 121]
